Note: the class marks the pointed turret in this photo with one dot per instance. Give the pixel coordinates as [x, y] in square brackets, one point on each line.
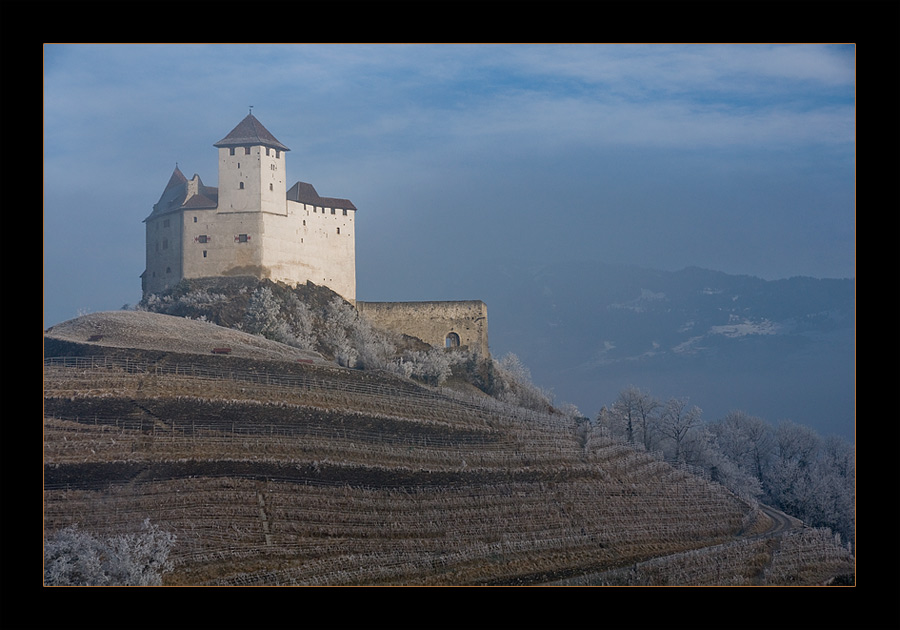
[177, 179]
[174, 194]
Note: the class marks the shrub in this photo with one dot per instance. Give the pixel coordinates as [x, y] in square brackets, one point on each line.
[73, 557]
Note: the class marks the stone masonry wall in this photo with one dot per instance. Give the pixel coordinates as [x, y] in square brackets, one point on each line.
[436, 323]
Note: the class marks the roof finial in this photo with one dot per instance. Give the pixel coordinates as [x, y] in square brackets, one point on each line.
[251, 109]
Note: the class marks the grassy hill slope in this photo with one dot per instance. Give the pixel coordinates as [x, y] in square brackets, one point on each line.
[274, 466]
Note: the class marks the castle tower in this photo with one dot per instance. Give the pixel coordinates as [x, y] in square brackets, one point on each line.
[251, 170]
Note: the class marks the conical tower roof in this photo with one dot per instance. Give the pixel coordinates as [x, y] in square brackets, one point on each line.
[177, 179]
[250, 132]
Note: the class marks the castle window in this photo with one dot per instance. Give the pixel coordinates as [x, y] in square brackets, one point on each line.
[339, 230]
[270, 187]
[452, 340]
[332, 211]
[246, 150]
[168, 270]
[242, 238]
[231, 151]
[195, 219]
[345, 211]
[203, 238]
[241, 186]
[277, 153]
[204, 253]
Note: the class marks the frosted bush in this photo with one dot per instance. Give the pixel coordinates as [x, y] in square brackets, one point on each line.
[433, 367]
[73, 557]
[514, 385]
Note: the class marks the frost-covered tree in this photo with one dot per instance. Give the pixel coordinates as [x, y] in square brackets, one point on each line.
[703, 450]
[513, 385]
[676, 422]
[263, 313]
[300, 322]
[338, 320]
[636, 411]
[433, 366]
[73, 557]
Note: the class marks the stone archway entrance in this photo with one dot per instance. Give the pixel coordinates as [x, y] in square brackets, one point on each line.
[452, 340]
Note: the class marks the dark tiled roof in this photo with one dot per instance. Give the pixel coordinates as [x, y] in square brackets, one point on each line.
[250, 132]
[175, 195]
[305, 193]
[208, 197]
[177, 179]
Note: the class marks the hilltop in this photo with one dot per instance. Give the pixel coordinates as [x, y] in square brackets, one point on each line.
[276, 465]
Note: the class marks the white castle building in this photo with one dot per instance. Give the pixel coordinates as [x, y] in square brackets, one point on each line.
[251, 225]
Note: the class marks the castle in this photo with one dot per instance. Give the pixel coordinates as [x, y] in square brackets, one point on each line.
[253, 225]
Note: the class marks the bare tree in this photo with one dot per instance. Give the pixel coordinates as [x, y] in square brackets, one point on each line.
[747, 440]
[632, 416]
[677, 420]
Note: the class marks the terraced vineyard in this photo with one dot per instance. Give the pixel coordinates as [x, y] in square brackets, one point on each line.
[293, 473]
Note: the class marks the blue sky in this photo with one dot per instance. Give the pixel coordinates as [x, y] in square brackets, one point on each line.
[735, 158]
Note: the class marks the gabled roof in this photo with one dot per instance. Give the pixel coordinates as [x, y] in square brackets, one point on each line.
[250, 132]
[305, 193]
[206, 197]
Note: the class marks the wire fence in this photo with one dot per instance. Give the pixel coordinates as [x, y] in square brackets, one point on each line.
[330, 380]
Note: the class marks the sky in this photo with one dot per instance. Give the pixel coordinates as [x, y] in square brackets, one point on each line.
[736, 158]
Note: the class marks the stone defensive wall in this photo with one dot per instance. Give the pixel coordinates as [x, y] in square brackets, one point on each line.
[440, 324]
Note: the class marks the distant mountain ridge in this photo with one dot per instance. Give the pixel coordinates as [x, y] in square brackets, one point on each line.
[777, 349]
